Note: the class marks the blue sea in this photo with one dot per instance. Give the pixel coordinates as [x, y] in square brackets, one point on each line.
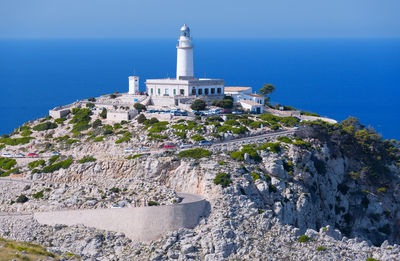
[332, 77]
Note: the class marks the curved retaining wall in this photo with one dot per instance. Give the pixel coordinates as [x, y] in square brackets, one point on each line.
[139, 224]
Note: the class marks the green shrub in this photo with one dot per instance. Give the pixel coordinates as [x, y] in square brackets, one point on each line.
[224, 128]
[197, 137]
[195, 153]
[97, 123]
[381, 190]
[371, 259]
[87, 159]
[140, 107]
[60, 120]
[255, 176]
[99, 139]
[222, 179]
[36, 163]
[54, 159]
[141, 118]
[267, 177]
[103, 113]
[81, 116]
[321, 248]
[198, 105]
[157, 129]
[304, 239]
[123, 139]
[152, 203]
[90, 105]
[72, 141]
[232, 122]
[272, 188]
[16, 141]
[38, 195]
[7, 164]
[240, 130]
[134, 156]
[62, 164]
[108, 129]
[22, 199]
[255, 125]
[221, 162]
[249, 149]
[285, 139]
[309, 113]
[92, 99]
[26, 133]
[115, 190]
[45, 126]
[180, 134]
[273, 147]
[63, 138]
[288, 166]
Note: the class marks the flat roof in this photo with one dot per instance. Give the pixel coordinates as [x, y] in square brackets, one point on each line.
[235, 89]
[254, 95]
[250, 103]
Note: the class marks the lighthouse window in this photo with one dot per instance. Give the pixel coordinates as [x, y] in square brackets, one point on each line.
[182, 92]
[193, 91]
[151, 91]
[159, 91]
[174, 91]
[206, 91]
[200, 91]
[212, 90]
[219, 90]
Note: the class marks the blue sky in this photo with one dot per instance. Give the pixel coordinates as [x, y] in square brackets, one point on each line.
[207, 18]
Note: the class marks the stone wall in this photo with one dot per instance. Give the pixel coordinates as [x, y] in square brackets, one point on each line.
[139, 224]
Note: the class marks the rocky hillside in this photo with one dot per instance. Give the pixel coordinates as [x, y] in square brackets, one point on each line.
[327, 192]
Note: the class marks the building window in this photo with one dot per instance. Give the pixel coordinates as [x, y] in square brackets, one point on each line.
[166, 91]
[193, 91]
[200, 91]
[212, 91]
[159, 91]
[151, 90]
[206, 91]
[219, 90]
[174, 92]
[182, 92]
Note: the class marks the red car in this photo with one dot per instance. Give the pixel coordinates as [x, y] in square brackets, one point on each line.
[169, 147]
[33, 155]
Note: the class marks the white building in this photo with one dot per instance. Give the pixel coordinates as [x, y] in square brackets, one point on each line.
[244, 93]
[185, 84]
[251, 106]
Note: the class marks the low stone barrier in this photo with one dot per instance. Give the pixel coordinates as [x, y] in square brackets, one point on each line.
[139, 224]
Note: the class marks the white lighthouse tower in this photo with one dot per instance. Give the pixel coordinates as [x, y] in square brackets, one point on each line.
[133, 84]
[184, 64]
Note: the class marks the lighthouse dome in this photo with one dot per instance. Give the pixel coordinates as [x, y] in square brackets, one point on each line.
[185, 31]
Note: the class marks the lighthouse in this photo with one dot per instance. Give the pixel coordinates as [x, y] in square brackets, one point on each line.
[184, 64]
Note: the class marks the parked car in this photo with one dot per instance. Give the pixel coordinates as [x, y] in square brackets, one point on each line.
[20, 155]
[33, 155]
[129, 150]
[184, 113]
[237, 112]
[6, 155]
[184, 146]
[55, 153]
[116, 206]
[143, 149]
[169, 146]
[205, 143]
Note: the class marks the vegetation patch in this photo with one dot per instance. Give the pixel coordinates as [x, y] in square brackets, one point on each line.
[59, 165]
[38, 195]
[321, 248]
[134, 156]
[223, 179]
[304, 239]
[195, 153]
[87, 159]
[16, 141]
[45, 126]
[36, 163]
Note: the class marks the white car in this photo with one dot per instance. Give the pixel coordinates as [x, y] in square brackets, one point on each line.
[20, 155]
[116, 206]
[143, 149]
[55, 153]
[129, 150]
[184, 146]
[6, 155]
